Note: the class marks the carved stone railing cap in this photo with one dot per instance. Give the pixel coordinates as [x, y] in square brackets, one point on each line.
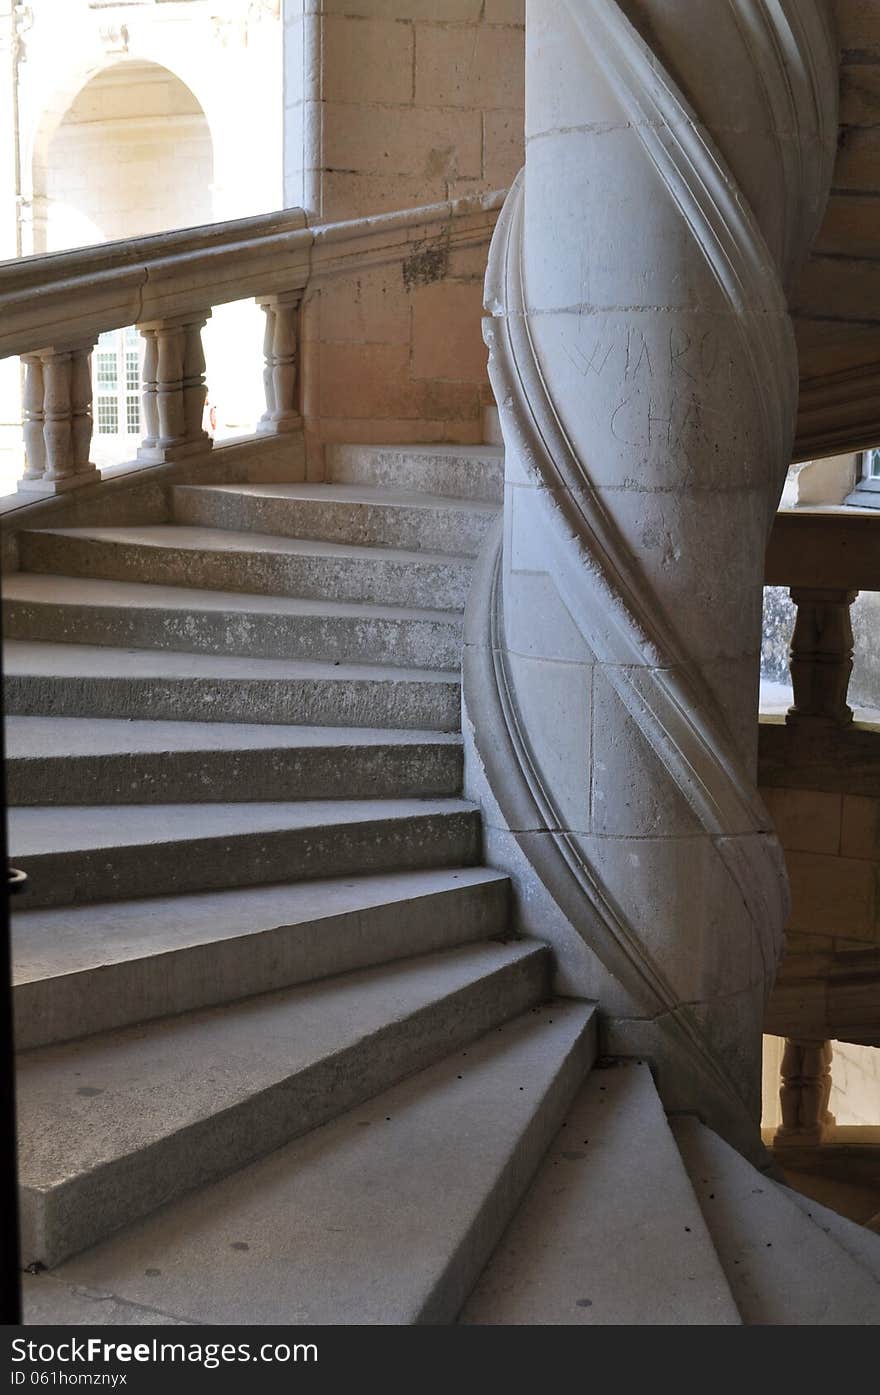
[66, 296]
[824, 548]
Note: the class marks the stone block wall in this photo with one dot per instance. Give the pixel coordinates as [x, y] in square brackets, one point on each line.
[832, 850]
[394, 353]
[394, 103]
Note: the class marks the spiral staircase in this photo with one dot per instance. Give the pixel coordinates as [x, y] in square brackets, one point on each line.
[283, 1057]
[402, 911]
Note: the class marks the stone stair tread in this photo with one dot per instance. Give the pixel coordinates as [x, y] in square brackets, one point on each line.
[610, 1232]
[192, 538]
[441, 450]
[115, 1125]
[383, 1216]
[86, 1102]
[57, 941]
[71, 828]
[39, 659]
[859, 1242]
[62, 737]
[85, 736]
[348, 494]
[59, 591]
[782, 1266]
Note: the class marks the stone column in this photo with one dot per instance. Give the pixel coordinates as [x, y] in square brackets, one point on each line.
[174, 388]
[643, 361]
[58, 419]
[280, 352]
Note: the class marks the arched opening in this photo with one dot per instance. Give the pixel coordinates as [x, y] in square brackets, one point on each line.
[132, 155]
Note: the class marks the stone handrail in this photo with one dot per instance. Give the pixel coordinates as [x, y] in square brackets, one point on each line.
[52, 309]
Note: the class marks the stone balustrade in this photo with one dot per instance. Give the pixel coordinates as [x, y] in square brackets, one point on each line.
[53, 309]
[825, 557]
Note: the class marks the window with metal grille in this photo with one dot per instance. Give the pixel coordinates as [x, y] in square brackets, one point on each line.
[117, 382]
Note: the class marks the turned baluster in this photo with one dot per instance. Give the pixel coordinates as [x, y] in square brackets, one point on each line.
[81, 423]
[174, 390]
[804, 1092]
[58, 419]
[821, 656]
[57, 414]
[280, 344]
[34, 445]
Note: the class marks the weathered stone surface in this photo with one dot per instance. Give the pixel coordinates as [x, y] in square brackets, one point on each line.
[610, 1232]
[85, 969]
[465, 472]
[341, 513]
[253, 563]
[67, 680]
[386, 1216]
[106, 853]
[237, 1082]
[782, 1267]
[74, 760]
[131, 615]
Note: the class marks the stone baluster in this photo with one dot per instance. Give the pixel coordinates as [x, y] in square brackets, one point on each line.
[804, 1092]
[58, 419]
[280, 344]
[34, 445]
[821, 657]
[174, 388]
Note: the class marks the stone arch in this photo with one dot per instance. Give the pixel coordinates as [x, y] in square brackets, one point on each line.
[129, 129]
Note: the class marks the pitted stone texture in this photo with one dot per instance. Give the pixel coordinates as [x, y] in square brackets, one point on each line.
[783, 1267]
[78, 970]
[237, 1082]
[108, 853]
[77, 760]
[610, 1232]
[46, 1302]
[386, 1216]
[253, 563]
[342, 513]
[462, 472]
[126, 614]
[78, 680]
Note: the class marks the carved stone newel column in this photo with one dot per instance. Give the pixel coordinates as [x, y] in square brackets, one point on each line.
[678, 162]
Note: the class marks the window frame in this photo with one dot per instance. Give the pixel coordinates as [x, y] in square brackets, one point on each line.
[866, 493]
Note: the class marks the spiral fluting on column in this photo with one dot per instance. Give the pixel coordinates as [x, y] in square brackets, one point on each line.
[642, 357]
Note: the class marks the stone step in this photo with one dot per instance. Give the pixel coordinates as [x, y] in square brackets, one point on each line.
[464, 472]
[135, 615]
[109, 853]
[342, 513]
[115, 1126]
[384, 1217]
[783, 1268]
[79, 970]
[77, 760]
[860, 1243]
[79, 680]
[610, 1233]
[253, 563]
